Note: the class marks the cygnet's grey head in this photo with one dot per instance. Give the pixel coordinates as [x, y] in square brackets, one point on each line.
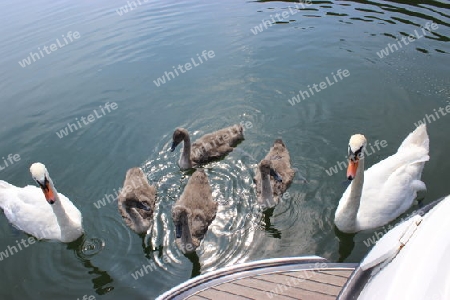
[178, 136]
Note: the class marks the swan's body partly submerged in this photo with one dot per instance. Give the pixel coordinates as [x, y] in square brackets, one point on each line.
[194, 212]
[136, 201]
[209, 147]
[41, 212]
[387, 189]
[274, 175]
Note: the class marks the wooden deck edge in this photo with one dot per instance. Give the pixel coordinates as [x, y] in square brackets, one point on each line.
[266, 266]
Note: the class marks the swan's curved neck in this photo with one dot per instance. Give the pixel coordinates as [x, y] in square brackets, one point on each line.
[354, 199]
[69, 230]
[138, 222]
[266, 191]
[186, 238]
[185, 159]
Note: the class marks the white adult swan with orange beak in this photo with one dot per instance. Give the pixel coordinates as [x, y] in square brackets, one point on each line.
[41, 212]
[387, 189]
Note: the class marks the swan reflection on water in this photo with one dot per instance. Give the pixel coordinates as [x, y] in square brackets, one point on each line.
[85, 250]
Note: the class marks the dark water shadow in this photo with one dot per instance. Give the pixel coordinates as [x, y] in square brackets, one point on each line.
[101, 280]
[268, 227]
[346, 244]
[195, 260]
[147, 246]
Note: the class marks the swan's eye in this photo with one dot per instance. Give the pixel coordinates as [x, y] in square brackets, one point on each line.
[39, 183]
[359, 153]
[356, 155]
[43, 186]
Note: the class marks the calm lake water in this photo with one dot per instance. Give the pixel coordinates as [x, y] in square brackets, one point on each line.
[258, 55]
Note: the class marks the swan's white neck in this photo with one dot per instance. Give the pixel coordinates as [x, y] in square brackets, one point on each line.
[266, 191]
[185, 158]
[69, 230]
[350, 210]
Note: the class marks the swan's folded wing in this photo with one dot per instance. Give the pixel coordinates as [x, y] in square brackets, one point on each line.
[31, 214]
[393, 197]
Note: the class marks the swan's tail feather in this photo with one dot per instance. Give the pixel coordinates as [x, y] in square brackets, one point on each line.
[418, 138]
[418, 185]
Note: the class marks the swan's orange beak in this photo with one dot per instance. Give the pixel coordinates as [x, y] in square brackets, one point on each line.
[48, 193]
[351, 170]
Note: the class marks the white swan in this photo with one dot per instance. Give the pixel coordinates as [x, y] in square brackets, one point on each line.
[27, 209]
[387, 189]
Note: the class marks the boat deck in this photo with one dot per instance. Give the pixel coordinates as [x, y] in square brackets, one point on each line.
[311, 278]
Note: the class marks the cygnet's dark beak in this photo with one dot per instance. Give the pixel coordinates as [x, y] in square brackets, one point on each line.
[174, 145]
[275, 175]
[143, 206]
[179, 230]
